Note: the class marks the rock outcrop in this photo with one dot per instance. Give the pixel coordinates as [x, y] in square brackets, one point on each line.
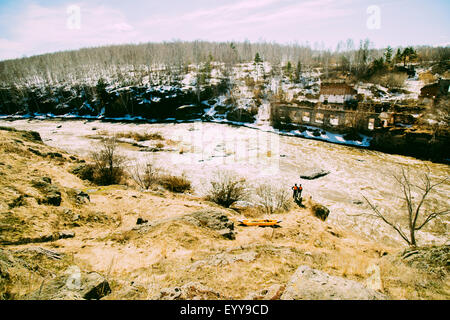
[50, 192]
[272, 293]
[213, 220]
[141, 221]
[40, 239]
[312, 284]
[434, 259]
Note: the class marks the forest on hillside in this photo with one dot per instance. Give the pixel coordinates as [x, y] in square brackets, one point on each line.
[129, 64]
[232, 82]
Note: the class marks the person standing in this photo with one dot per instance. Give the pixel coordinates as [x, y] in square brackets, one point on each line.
[295, 189]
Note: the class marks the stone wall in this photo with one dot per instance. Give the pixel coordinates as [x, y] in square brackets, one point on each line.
[322, 116]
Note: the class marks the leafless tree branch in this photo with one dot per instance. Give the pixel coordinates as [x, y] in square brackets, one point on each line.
[414, 208]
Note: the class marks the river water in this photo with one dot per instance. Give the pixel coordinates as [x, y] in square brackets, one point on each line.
[201, 149]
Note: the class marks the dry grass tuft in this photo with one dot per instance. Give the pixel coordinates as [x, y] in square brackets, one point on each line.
[174, 183]
[140, 136]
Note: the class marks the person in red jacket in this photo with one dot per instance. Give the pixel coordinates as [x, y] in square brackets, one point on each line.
[295, 189]
[299, 193]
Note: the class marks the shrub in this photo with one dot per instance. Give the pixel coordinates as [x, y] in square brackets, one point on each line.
[249, 82]
[174, 183]
[84, 172]
[108, 164]
[272, 198]
[145, 176]
[226, 188]
[396, 80]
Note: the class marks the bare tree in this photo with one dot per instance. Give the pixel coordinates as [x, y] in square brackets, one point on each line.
[356, 119]
[417, 216]
[441, 112]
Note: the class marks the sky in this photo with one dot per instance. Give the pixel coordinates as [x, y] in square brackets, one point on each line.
[41, 26]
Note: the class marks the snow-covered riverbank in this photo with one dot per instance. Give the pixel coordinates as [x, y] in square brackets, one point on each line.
[264, 126]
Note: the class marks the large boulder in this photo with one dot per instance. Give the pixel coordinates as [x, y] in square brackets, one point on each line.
[320, 211]
[353, 136]
[73, 285]
[312, 284]
[314, 174]
[94, 286]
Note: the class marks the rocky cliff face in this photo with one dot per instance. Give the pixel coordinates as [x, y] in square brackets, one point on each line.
[137, 101]
[412, 142]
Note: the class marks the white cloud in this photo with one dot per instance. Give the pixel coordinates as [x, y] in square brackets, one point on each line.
[41, 29]
[309, 12]
[227, 10]
[250, 19]
[122, 27]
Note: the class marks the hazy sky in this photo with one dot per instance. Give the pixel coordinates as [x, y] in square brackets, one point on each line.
[40, 26]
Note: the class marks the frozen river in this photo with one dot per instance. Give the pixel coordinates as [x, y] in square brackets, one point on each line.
[200, 149]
